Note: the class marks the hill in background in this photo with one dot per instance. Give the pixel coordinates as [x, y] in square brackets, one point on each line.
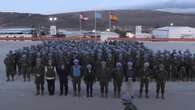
[127, 19]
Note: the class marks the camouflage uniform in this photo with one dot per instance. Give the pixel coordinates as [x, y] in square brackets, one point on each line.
[10, 66]
[118, 75]
[161, 77]
[144, 81]
[104, 78]
[38, 71]
[24, 67]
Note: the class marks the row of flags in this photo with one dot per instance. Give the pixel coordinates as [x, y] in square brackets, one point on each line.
[113, 18]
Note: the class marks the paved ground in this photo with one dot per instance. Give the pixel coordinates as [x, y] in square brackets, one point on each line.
[20, 96]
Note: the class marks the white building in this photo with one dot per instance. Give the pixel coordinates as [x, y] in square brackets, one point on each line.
[106, 35]
[174, 32]
[16, 32]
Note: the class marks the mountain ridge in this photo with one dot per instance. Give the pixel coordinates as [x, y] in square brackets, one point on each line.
[150, 18]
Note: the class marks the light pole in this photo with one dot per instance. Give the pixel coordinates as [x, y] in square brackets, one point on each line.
[53, 30]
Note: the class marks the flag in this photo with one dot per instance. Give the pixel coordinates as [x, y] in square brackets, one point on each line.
[98, 15]
[83, 18]
[113, 18]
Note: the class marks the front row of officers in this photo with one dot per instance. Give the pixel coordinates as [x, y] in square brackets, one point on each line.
[103, 74]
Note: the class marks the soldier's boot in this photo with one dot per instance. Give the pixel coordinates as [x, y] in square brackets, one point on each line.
[42, 92]
[28, 77]
[75, 94]
[141, 89]
[61, 93]
[147, 96]
[88, 93]
[102, 94]
[66, 92]
[106, 92]
[162, 96]
[102, 91]
[42, 89]
[12, 78]
[157, 95]
[119, 94]
[146, 90]
[24, 76]
[38, 92]
[79, 94]
[24, 79]
[114, 94]
[157, 91]
[140, 94]
[106, 95]
[8, 79]
[91, 94]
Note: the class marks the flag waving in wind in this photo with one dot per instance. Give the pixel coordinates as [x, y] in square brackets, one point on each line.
[83, 18]
[113, 18]
[98, 15]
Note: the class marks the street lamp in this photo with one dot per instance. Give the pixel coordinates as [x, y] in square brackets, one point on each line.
[53, 19]
[53, 30]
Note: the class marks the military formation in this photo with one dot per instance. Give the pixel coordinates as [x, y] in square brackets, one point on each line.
[113, 62]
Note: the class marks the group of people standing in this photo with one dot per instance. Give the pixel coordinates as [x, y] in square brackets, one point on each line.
[114, 61]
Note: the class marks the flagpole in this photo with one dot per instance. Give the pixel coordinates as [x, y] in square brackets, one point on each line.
[80, 22]
[95, 24]
[110, 22]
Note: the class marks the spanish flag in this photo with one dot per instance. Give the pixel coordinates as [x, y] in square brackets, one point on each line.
[113, 18]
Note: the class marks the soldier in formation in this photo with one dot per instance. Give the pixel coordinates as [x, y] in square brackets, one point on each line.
[10, 64]
[116, 61]
[38, 71]
[50, 71]
[76, 77]
[89, 78]
[118, 75]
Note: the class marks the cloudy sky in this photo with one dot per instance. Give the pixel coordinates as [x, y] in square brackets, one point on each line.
[60, 6]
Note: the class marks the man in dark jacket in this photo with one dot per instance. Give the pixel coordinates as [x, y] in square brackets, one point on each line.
[89, 78]
[144, 81]
[38, 71]
[104, 78]
[118, 75]
[24, 67]
[130, 77]
[10, 66]
[62, 71]
[161, 77]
